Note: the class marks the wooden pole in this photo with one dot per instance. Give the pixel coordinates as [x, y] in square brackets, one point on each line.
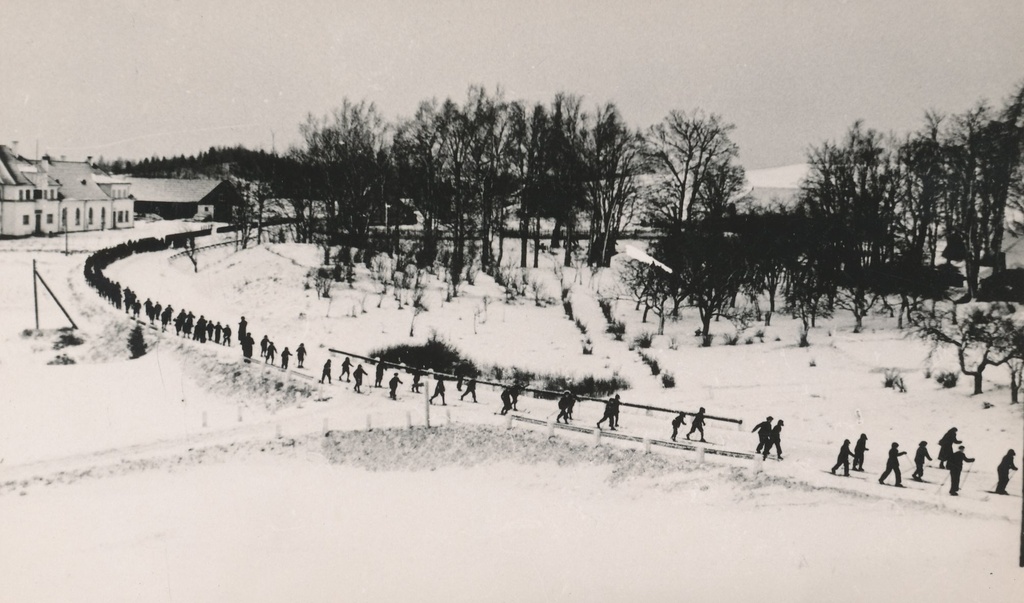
[57, 301]
[35, 293]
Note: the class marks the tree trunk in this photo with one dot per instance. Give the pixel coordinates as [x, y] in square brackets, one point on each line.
[524, 239]
[556, 233]
[977, 381]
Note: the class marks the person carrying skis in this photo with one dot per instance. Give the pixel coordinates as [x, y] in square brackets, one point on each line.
[1004, 472]
[326, 373]
[300, 353]
[346, 364]
[358, 374]
[946, 447]
[416, 383]
[563, 406]
[285, 355]
[893, 465]
[470, 389]
[919, 458]
[955, 464]
[393, 384]
[858, 453]
[676, 423]
[379, 376]
[609, 412]
[764, 433]
[843, 460]
[506, 399]
[775, 439]
[439, 391]
[697, 424]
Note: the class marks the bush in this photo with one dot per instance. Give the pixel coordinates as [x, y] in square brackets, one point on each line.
[588, 347]
[651, 362]
[136, 342]
[668, 380]
[804, 342]
[582, 327]
[435, 355]
[894, 380]
[567, 306]
[594, 387]
[644, 340]
[617, 329]
[66, 339]
[732, 339]
[707, 339]
[606, 309]
[812, 363]
[62, 359]
[748, 340]
[759, 334]
[947, 379]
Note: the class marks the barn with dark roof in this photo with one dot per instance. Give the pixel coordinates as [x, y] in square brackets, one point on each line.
[176, 198]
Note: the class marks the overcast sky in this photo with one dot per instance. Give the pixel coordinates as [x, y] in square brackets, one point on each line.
[132, 79]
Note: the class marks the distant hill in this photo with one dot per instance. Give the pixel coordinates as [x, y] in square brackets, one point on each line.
[217, 163]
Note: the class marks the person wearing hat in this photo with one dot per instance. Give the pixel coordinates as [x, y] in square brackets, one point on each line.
[919, 458]
[955, 464]
[1004, 472]
[610, 407]
[359, 373]
[946, 447]
[775, 439]
[764, 433]
[439, 390]
[697, 424]
[893, 465]
[470, 389]
[615, 411]
[285, 355]
[379, 375]
[300, 354]
[326, 374]
[843, 460]
[858, 452]
[676, 422]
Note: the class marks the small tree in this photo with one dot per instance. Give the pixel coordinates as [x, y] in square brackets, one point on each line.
[136, 343]
[982, 336]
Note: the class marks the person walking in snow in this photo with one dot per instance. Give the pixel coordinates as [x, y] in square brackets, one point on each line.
[610, 407]
[209, 331]
[564, 403]
[346, 364]
[247, 344]
[893, 465]
[243, 329]
[326, 373]
[470, 390]
[919, 458]
[764, 433]
[438, 391]
[506, 399]
[157, 312]
[201, 329]
[946, 447]
[179, 323]
[416, 383]
[136, 308]
[858, 452]
[217, 330]
[1003, 471]
[300, 354]
[149, 309]
[165, 318]
[955, 464]
[393, 384]
[263, 346]
[271, 352]
[358, 375]
[190, 320]
[775, 439]
[285, 355]
[677, 422]
[697, 424]
[843, 460]
[227, 335]
[379, 374]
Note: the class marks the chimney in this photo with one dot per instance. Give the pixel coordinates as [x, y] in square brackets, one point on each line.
[89, 159]
[14, 147]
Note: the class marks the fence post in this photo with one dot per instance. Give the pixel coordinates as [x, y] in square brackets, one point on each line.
[204, 419]
[508, 421]
[278, 431]
[448, 415]
[325, 426]
[408, 419]
[597, 436]
[758, 463]
[700, 455]
[647, 445]
[426, 400]
[369, 424]
[551, 429]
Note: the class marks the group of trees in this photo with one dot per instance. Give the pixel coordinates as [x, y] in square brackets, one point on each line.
[873, 220]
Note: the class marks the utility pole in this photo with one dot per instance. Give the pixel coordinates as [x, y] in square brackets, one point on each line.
[35, 293]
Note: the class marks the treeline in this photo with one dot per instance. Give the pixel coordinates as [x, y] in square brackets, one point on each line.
[873, 219]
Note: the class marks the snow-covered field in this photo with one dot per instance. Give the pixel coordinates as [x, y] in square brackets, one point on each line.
[186, 475]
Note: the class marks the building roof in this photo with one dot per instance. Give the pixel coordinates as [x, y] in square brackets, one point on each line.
[77, 179]
[171, 190]
[11, 166]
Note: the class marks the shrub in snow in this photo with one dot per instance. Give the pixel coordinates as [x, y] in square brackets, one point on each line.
[644, 340]
[567, 306]
[947, 379]
[707, 339]
[759, 334]
[748, 340]
[582, 327]
[812, 363]
[668, 380]
[804, 342]
[651, 362]
[894, 380]
[732, 339]
[62, 359]
[606, 309]
[617, 329]
[67, 338]
[588, 347]
[136, 342]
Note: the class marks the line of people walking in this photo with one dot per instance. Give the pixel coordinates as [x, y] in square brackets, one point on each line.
[950, 460]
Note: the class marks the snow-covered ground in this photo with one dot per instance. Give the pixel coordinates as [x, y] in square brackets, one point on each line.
[186, 475]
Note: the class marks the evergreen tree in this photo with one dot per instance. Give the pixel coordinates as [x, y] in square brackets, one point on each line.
[136, 343]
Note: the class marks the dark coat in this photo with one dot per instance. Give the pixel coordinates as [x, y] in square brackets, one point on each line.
[922, 455]
[1006, 464]
[844, 453]
[956, 462]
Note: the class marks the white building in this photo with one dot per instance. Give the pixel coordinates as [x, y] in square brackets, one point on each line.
[48, 197]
